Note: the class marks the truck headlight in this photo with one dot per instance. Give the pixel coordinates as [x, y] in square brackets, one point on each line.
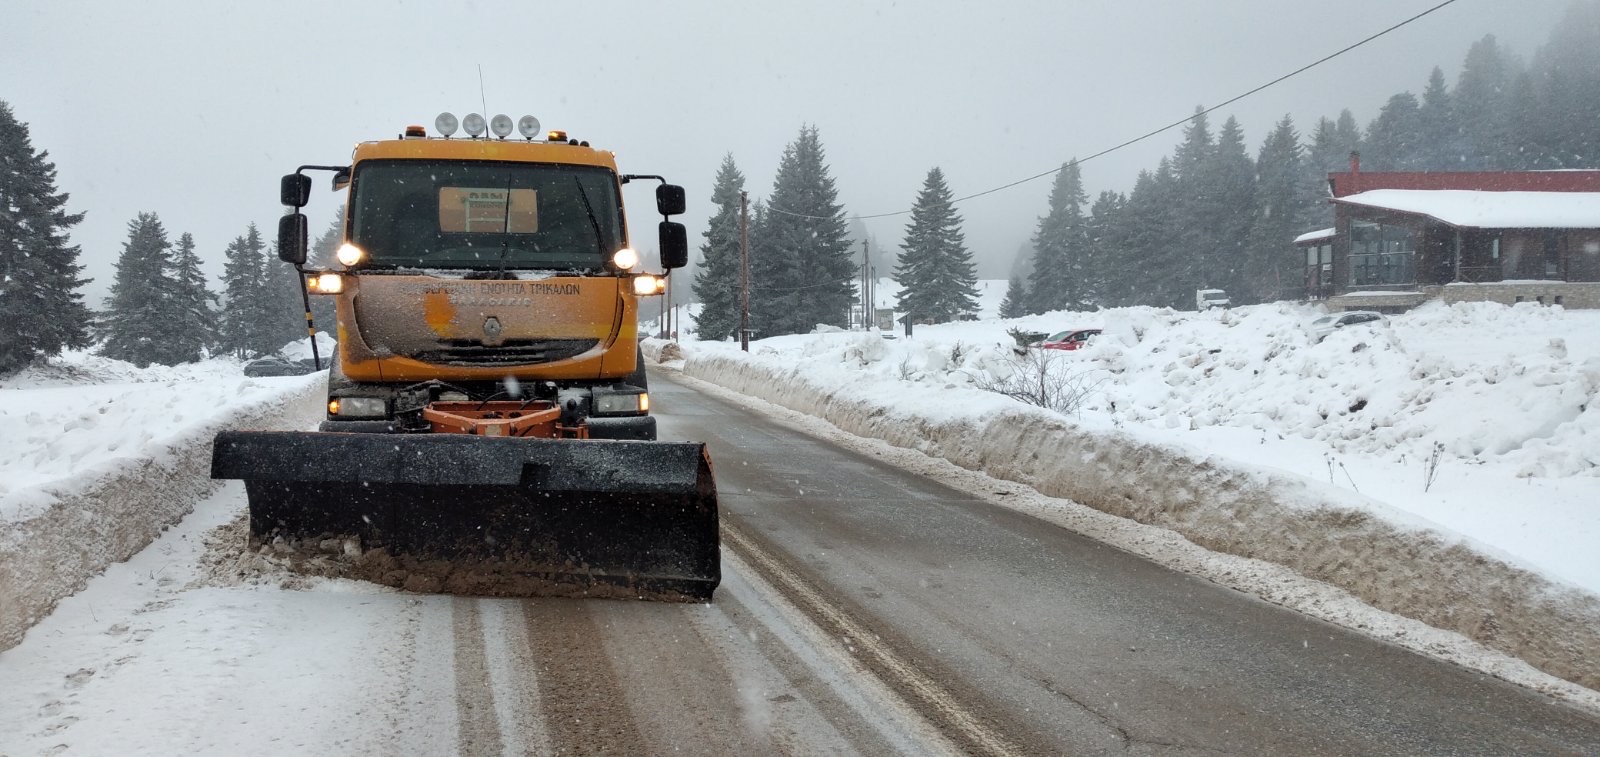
[621, 404]
[358, 407]
[326, 283]
[646, 284]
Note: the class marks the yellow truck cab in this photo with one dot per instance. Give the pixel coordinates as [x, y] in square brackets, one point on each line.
[484, 267]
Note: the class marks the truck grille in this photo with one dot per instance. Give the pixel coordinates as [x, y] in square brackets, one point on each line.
[513, 352]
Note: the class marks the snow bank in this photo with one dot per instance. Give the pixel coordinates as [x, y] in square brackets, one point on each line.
[1203, 424]
[107, 455]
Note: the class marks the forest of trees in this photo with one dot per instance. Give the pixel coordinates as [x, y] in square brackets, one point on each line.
[1213, 214]
[162, 308]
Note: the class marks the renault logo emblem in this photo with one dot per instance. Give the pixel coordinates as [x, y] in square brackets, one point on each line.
[491, 330]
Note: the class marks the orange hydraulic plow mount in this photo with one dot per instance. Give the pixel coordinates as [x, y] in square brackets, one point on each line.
[534, 420]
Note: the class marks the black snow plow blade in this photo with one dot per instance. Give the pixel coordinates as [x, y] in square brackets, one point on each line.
[488, 516]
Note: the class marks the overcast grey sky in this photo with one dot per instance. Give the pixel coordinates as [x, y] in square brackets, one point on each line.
[193, 109]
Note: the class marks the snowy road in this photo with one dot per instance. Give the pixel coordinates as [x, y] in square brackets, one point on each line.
[864, 609]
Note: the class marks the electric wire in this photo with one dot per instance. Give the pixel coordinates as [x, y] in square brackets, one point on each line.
[1154, 132]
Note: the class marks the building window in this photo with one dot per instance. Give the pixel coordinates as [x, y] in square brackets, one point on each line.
[1382, 254]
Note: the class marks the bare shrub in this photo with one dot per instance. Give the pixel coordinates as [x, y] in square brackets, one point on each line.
[1044, 379]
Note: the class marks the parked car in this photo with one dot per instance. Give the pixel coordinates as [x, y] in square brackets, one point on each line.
[1206, 299]
[1068, 340]
[1328, 324]
[277, 366]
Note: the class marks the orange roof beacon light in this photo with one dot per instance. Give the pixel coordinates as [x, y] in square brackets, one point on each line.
[416, 132]
[556, 135]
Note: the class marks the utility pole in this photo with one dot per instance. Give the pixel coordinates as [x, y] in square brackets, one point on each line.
[744, 272]
[864, 266]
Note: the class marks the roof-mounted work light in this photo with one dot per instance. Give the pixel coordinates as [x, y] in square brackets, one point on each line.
[446, 124]
[528, 126]
[500, 125]
[473, 124]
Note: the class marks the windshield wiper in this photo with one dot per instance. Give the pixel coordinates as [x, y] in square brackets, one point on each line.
[505, 233]
[594, 220]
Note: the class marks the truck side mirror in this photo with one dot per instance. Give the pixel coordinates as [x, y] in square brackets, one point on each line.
[670, 200]
[674, 244]
[295, 190]
[292, 238]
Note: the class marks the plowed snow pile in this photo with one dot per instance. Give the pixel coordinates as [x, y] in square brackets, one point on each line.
[99, 456]
[1389, 460]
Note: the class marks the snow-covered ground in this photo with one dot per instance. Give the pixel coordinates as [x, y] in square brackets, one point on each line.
[80, 415]
[1444, 465]
[1477, 418]
[101, 456]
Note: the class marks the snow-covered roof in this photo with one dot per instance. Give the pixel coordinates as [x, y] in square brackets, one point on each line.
[1312, 236]
[1489, 210]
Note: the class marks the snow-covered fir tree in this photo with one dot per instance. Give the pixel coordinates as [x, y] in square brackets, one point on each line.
[192, 309]
[1012, 305]
[1280, 196]
[41, 309]
[938, 282]
[142, 320]
[1226, 209]
[1058, 244]
[717, 282]
[244, 308]
[806, 273]
[285, 303]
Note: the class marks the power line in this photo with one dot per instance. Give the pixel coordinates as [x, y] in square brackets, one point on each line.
[1153, 132]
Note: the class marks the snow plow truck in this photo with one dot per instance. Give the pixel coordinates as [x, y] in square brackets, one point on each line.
[488, 428]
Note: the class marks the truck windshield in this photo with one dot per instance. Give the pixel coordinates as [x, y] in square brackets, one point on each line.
[485, 215]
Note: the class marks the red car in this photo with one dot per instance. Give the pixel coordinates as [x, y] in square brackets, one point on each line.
[1068, 340]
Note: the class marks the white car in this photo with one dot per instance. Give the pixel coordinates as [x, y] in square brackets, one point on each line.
[1206, 299]
[1328, 324]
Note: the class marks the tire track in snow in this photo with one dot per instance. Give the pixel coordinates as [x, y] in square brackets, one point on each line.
[585, 706]
[932, 700]
[512, 669]
[479, 726]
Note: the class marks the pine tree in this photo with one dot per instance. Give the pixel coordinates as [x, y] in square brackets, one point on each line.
[1154, 252]
[1058, 246]
[1278, 219]
[243, 307]
[1439, 141]
[1482, 108]
[717, 282]
[1195, 236]
[1394, 137]
[284, 303]
[1012, 305]
[40, 308]
[192, 309]
[775, 279]
[938, 281]
[1105, 264]
[807, 274]
[1566, 79]
[1227, 207]
[140, 327]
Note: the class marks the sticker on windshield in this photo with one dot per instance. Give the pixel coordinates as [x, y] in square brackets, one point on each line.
[485, 210]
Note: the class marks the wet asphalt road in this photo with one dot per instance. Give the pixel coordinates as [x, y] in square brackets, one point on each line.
[1012, 634]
